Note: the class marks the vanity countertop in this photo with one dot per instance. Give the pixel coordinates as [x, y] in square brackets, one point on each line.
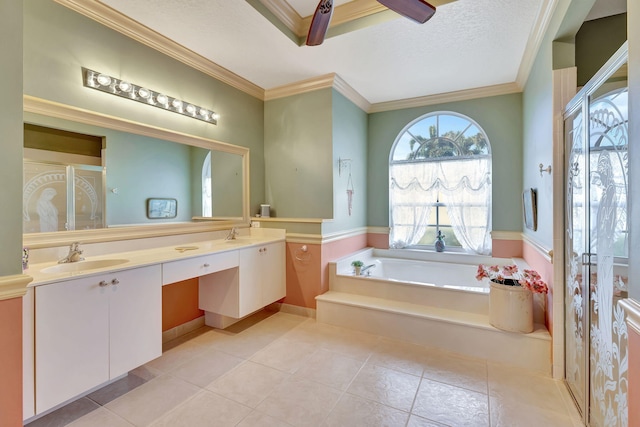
[144, 257]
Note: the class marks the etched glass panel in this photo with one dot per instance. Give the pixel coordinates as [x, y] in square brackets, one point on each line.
[44, 197]
[575, 300]
[608, 160]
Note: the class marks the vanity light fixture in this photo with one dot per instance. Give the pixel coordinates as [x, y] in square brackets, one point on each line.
[114, 86]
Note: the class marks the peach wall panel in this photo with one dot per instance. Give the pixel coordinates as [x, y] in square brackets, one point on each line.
[303, 274]
[378, 240]
[180, 303]
[506, 248]
[545, 268]
[11, 362]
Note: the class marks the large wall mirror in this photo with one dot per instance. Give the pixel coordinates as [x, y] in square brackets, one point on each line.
[96, 193]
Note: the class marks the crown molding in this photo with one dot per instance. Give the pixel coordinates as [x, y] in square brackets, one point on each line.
[303, 86]
[286, 14]
[343, 14]
[545, 14]
[351, 94]
[116, 21]
[461, 95]
[14, 286]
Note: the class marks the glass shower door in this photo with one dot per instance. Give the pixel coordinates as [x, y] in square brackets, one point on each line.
[596, 246]
[576, 294]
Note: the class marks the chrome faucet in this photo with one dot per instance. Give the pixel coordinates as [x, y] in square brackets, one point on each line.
[74, 254]
[232, 234]
[366, 269]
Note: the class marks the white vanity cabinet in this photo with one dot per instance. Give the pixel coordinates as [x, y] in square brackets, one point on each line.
[259, 281]
[262, 275]
[93, 329]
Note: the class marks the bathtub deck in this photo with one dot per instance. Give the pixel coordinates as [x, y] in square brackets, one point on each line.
[458, 331]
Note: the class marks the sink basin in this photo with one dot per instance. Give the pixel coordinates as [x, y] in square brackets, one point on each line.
[83, 265]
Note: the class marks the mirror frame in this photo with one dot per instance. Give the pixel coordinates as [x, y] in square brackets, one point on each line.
[62, 111]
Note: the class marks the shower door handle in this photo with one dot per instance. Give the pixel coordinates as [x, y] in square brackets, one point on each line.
[589, 258]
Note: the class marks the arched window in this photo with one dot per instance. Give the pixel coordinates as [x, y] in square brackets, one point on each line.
[207, 205]
[440, 180]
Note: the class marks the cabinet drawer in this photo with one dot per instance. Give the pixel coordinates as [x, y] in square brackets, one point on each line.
[176, 271]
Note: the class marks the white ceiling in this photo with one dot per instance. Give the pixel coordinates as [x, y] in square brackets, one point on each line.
[467, 44]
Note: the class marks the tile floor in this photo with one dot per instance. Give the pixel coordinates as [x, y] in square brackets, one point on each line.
[278, 369]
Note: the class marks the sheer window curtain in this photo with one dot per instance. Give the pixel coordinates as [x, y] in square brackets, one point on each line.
[465, 185]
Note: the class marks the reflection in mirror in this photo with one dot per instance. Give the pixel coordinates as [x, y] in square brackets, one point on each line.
[109, 185]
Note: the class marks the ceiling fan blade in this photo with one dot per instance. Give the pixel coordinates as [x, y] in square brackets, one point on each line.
[320, 23]
[416, 10]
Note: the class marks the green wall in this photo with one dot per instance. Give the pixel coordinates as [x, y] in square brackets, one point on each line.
[349, 142]
[501, 119]
[538, 136]
[596, 42]
[298, 155]
[58, 42]
[11, 134]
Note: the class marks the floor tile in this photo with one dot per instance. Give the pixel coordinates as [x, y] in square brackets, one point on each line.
[519, 385]
[100, 418]
[457, 370]
[116, 389]
[329, 368]
[416, 421]
[285, 354]
[248, 383]
[176, 356]
[508, 413]
[259, 419]
[354, 411]
[204, 409]
[205, 368]
[400, 356]
[451, 405]
[283, 370]
[386, 386]
[67, 414]
[153, 399]
[301, 402]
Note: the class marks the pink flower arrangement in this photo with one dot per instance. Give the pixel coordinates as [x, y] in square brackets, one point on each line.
[511, 276]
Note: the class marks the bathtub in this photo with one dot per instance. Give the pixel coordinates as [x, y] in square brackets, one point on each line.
[443, 280]
[445, 270]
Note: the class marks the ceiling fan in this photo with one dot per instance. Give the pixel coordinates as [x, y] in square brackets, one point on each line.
[417, 10]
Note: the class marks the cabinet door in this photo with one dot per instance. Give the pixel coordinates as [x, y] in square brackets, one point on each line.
[72, 340]
[274, 285]
[251, 277]
[135, 314]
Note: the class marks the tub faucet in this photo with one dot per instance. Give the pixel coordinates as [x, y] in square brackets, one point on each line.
[366, 269]
[232, 234]
[74, 254]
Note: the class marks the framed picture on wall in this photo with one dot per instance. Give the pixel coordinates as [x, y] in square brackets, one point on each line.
[162, 208]
[530, 209]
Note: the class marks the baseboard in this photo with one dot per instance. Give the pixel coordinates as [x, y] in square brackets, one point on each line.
[180, 330]
[293, 309]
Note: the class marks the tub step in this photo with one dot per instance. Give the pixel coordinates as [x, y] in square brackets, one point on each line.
[460, 332]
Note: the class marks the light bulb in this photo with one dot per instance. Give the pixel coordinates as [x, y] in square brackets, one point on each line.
[177, 104]
[103, 80]
[144, 93]
[162, 99]
[191, 109]
[215, 116]
[204, 113]
[124, 86]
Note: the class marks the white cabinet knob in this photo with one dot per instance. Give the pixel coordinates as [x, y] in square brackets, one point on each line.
[115, 281]
[103, 283]
[207, 265]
